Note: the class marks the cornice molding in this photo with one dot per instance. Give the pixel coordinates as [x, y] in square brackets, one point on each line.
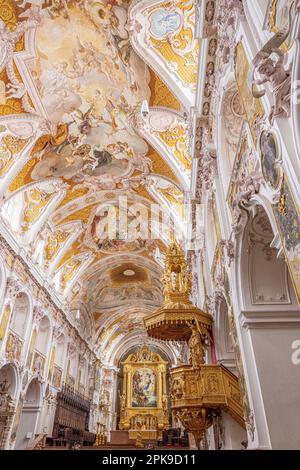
[260, 319]
[47, 295]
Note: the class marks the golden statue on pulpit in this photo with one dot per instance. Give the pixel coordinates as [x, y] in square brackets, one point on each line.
[143, 401]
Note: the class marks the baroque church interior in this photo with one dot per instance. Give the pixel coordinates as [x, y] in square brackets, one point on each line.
[150, 224]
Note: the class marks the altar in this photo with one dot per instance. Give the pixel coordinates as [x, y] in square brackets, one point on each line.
[119, 437]
[144, 401]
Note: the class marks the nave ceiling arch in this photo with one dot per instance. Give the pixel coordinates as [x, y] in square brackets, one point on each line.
[73, 140]
[114, 111]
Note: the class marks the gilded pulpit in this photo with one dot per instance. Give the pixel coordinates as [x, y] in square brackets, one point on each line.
[197, 388]
[144, 400]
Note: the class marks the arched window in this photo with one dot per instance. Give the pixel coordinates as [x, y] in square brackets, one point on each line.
[18, 328]
[11, 211]
[41, 346]
[230, 124]
[60, 350]
[213, 230]
[56, 368]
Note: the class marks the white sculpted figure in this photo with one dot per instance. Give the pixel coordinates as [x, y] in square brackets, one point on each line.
[272, 71]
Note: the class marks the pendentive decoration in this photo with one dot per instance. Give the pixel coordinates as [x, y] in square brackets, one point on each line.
[198, 389]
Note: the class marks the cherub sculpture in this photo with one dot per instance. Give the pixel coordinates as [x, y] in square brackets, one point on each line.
[273, 71]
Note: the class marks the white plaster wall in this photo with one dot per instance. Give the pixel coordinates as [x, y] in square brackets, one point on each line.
[279, 382]
[27, 424]
[234, 434]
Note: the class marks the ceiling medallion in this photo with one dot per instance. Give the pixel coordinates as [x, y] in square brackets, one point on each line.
[129, 272]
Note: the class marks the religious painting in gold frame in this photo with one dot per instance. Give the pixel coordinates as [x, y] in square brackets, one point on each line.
[144, 400]
[269, 159]
[144, 388]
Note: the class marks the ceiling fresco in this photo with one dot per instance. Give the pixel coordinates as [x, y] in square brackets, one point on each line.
[73, 79]
[165, 33]
[89, 81]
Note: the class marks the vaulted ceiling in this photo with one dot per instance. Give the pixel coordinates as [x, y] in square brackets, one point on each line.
[73, 77]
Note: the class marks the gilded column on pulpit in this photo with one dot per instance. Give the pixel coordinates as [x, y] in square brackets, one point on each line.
[143, 401]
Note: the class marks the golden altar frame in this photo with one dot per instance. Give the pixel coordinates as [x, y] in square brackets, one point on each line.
[145, 421]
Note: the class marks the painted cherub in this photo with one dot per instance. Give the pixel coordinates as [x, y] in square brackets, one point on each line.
[273, 71]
